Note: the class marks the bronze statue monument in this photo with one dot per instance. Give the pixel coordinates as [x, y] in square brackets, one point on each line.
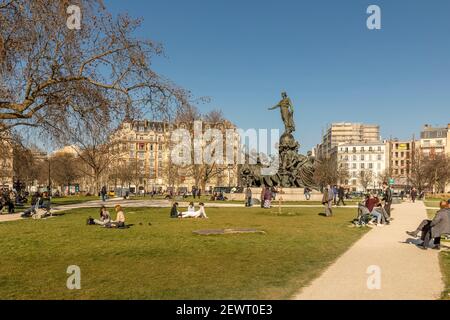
[287, 112]
[295, 170]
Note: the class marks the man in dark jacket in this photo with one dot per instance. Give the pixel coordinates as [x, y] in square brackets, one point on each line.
[433, 229]
[341, 195]
[103, 193]
[387, 198]
[248, 197]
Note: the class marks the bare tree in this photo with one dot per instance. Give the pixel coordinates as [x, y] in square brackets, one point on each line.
[326, 172]
[422, 172]
[366, 178]
[65, 170]
[202, 173]
[26, 167]
[384, 176]
[46, 67]
[438, 172]
[342, 174]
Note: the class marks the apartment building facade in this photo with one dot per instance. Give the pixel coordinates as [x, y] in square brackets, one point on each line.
[435, 140]
[366, 163]
[147, 145]
[401, 155]
[346, 132]
[6, 165]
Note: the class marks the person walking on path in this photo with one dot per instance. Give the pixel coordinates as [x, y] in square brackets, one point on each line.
[267, 198]
[413, 195]
[327, 200]
[263, 189]
[387, 198]
[11, 202]
[103, 193]
[341, 195]
[248, 197]
[335, 194]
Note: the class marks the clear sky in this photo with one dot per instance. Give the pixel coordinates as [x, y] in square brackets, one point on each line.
[242, 54]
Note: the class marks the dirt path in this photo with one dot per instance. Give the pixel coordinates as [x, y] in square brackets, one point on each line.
[406, 272]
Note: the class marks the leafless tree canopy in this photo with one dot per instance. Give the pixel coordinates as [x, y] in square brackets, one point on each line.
[48, 71]
[328, 172]
[366, 177]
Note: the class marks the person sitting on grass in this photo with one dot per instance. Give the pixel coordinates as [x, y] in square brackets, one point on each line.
[174, 211]
[35, 199]
[120, 218]
[105, 218]
[191, 207]
[200, 213]
[433, 229]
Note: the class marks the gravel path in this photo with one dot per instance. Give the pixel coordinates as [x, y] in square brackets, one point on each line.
[406, 272]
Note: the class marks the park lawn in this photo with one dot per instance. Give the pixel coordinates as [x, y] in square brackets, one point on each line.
[72, 199]
[165, 260]
[206, 199]
[431, 204]
[444, 258]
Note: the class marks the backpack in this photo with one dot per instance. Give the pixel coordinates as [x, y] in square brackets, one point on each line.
[90, 221]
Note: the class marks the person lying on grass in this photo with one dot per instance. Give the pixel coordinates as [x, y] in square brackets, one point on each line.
[105, 217]
[433, 229]
[200, 213]
[120, 218]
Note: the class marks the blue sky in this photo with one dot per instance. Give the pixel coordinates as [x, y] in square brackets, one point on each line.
[242, 54]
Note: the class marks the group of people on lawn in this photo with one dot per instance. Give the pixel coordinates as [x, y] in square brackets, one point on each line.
[105, 218]
[190, 213]
[106, 221]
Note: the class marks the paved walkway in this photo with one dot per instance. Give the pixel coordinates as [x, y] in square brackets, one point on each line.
[407, 272]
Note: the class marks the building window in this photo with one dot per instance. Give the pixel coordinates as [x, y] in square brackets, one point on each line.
[362, 165]
[362, 157]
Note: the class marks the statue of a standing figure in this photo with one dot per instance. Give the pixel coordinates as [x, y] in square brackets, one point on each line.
[287, 112]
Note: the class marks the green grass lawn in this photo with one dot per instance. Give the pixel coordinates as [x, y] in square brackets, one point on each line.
[431, 204]
[165, 260]
[73, 199]
[206, 199]
[444, 258]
